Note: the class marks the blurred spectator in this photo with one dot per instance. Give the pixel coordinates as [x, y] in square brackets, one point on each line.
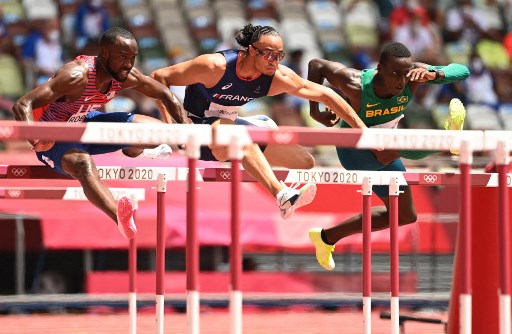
[406, 12]
[4, 39]
[48, 52]
[28, 52]
[462, 29]
[480, 84]
[418, 38]
[7, 45]
[385, 8]
[493, 54]
[491, 16]
[295, 61]
[419, 115]
[11, 78]
[452, 91]
[293, 104]
[362, 59]
[465, 21]
[229, 43]
[434, 11]
[91, 21]
[507, 43]
[361, 24]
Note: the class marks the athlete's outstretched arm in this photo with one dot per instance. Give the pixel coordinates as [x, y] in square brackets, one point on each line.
[336, 74]
[205, 69]
[287, 81]
[453, 72]
[320, 69]
[168, 104]
[69, 81]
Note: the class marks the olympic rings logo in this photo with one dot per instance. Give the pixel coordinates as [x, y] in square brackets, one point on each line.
[430, 178]
[14, 193]
[282, 137]
[6, 131]
[225, 175]
[19, 172]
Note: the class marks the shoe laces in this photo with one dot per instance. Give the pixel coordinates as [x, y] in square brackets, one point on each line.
[293, 186]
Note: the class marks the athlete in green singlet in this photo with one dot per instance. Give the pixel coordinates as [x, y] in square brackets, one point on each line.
[380, 96]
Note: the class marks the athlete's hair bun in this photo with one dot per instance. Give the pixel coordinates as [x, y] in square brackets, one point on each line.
[250, 34]
[245, 35]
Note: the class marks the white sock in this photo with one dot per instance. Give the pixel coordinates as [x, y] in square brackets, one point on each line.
[160, 152]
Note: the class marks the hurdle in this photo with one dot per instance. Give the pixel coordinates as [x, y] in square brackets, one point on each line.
[161, 175]
[150, 133]
[75, 194]
[467, 141]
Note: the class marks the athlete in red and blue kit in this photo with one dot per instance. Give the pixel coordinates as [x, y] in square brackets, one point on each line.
[74, 94]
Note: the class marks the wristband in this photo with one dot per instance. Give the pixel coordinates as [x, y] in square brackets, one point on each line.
[435, 70]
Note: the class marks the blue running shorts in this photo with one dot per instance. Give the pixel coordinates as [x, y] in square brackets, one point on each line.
[260, 120]
[53, 157]
[354, 159]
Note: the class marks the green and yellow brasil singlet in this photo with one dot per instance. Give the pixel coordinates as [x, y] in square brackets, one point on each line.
[377, 111]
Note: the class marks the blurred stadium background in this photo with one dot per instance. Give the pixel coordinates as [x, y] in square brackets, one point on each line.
[64, 274]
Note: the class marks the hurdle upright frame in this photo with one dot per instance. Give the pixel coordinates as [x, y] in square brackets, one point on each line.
[502, 162]
[394, 192]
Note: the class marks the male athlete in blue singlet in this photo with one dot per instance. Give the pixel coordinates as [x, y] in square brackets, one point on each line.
[74, 94]
[380, 95]
[218, 84]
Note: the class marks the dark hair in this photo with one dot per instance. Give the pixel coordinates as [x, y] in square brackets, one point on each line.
[110, 36]
[250, 34]
[394, 50]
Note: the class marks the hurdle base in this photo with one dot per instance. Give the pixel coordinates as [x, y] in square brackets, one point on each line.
[403, 318]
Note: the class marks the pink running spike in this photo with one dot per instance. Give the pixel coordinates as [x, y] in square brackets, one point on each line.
[125, 221]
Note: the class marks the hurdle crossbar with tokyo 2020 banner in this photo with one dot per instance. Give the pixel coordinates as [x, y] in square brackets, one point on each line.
[238, 136]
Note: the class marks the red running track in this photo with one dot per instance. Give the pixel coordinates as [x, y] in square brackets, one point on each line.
[300, 320]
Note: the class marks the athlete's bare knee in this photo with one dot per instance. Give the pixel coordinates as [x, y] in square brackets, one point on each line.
[308, 161]
[79, 165]
[145, 119]
[220, 153]
[132, 152]
[408, 218]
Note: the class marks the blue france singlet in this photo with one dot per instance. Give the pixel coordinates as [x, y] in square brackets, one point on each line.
[225, 98]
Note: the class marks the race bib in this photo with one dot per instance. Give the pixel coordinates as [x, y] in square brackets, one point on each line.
[217, 110]
[389, 125]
